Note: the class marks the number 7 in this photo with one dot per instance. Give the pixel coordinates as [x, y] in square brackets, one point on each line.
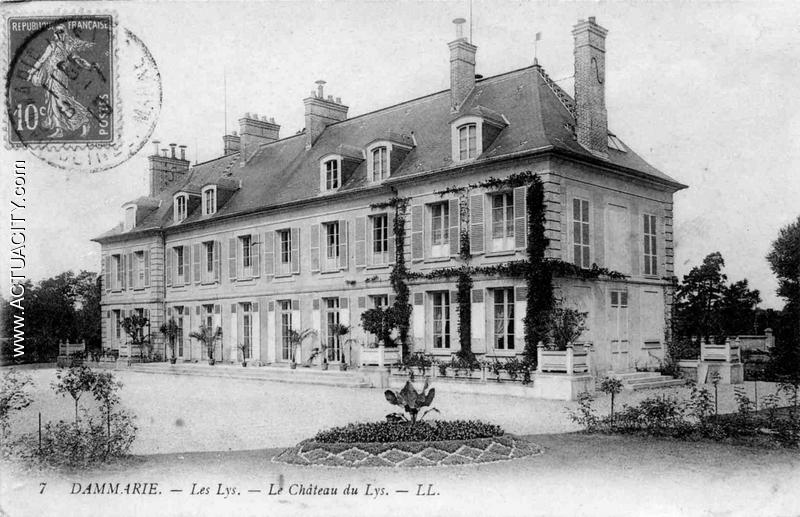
[43, 485]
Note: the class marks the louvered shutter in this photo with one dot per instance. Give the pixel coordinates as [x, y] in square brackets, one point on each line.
[454, 217]
[147, 268]
[520, 213]
[392, 246]
[296, 306]
[197, 262]
[476, 226]
[295, 250]
[187, 264]
[314, 246]
[255, 253]
[344, 235]
[217, 260]
[416, 232]
[362, 302]
[361, 242]
[168, 265]
[124, 258]
[107, 272]
[232, 259]
[269, 253]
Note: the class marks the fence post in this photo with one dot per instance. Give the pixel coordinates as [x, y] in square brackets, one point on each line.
[570, 359]
[728, 350]
[539, 349]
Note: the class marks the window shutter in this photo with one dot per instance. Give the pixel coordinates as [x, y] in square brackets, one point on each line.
[392, 249]
[296, 250]
[217, 260]
[520, 228]
[314, 246]
[343, 303]
[233, 308]
[362, 302]
[521, 294]
[147, 315]
[418, 299]
[344, 235]
[476, 225]
[196, 256]
[392, 298]
[168, 265]
[361, 242]
[269, 253]
[147, 268]
[169, 312]
[477, 296]
[455, 242]
[187, 264]
[124, 258]
[107, 273]
[271, 307]
[295, 305]
[315, 304]
[255, 306]
[416, 232]
[256, 254]
[239, 259]
[232, 259]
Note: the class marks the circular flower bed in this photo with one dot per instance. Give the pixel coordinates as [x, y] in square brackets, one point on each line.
[424, 444]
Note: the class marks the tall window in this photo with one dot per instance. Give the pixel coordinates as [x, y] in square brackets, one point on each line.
[440, 236]
[440, 303]
[210, 260]
[247, 330]
[332, 178]
[179, 334]
[119, 272]
[580, 232]
[180, 208]
[285, 308]
[285, 251]
[380, 164]
[138, 260]
[380, 239]
[467, 142]
[130, 218]
[331, 245]
[650, 254]
[332, 320]
[504, 319]
[379, 301]
[210, 200]
[179, 262]
[502, 222]
[118, 324]
[247, 252]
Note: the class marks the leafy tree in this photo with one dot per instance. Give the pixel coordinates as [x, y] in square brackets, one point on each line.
[135, 326]
[170, 330]
[208, 336]
[784, 260]
[14, 396]
[737, 314]
[698, 298]
[380, 322]
[75, 381]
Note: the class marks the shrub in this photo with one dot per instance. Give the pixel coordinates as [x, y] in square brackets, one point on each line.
[14, 396]
[611, 386]
[566, 325]
[75, 381]
[585, 415]
[382, 432]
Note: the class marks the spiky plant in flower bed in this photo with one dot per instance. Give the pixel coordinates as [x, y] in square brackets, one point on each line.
[411, 401]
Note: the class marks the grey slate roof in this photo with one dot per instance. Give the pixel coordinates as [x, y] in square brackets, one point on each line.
[539, 114]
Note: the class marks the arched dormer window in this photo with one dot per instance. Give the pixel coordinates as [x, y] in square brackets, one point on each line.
[130, 218]
[467, 141]
[179, 211]
[385, 155]
[330, 173]
[473, 133]
[379, 163]
[209, 200]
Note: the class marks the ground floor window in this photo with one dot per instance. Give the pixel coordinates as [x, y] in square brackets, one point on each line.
[179, 334]
[285, 316]
[503, 315]
[247, 330]
[379, 301]
[332, 321]
[440, 306]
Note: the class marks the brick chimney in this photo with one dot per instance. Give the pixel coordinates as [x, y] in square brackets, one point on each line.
[166, 168]
[254, 131]
[231, 143]
[590, 78]
[321, 112]
[462, 66]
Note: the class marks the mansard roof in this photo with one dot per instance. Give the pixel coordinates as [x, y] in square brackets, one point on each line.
[540, 119]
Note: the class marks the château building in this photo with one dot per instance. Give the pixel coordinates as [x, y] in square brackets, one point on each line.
[294, 232]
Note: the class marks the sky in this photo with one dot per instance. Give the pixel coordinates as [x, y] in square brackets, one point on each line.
[706, 92]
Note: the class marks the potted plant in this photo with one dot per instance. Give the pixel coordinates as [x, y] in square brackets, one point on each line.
[295, 340]
[170, 330]
[339, 330]
[208, 337]
[244, 349]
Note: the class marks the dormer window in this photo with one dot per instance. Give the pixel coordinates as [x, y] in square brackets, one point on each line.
[467, 142]
[330, 173]
[379, 161]
[180, 207]
[130, 218]
[210, 200]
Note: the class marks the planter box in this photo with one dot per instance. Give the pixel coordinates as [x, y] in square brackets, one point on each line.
[569, 361]
[380, 356]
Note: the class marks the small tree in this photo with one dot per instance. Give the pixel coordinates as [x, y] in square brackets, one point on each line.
[170, 331]
[14, 396]
[208, 337]
[135, 326]
[296, 339]
[105, 392]
[75, 380]
[566, 326]
[380, 322]
[611, 386]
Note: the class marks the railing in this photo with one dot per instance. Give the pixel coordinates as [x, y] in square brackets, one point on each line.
[729, 352]
[67, 349]
[575, 359]
[380, 356]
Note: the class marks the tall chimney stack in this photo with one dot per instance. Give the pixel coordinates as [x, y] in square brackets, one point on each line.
[462, 66]
[255, 131]
[166, 168]
[321, 112]
[231, 143]
[590, 78]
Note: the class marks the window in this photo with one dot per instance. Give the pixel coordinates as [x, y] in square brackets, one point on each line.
[139, 265]
[118, 324]
[503, 318]
[331, 246]
[440, 302]
[285, 252]
[616, 143]
[179, 263]
[130, 218]
[209, 200]
[332, 321]
[380, 163]
[119, 273]
[440, 236]
[379, 300]
[580, 233]
[380, 239]
[246, 245]
[285, 310]
[650, 254]
[179, 334]
[467, 142]
[332, 178]
[502, 222]
[180, 208]
[210, 259]
[247, 330]
[208, 316]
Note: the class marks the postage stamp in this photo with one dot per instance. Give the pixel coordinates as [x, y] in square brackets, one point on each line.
[82, 92]
[60, 84]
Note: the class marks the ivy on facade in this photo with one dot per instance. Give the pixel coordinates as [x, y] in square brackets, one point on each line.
[402, 306]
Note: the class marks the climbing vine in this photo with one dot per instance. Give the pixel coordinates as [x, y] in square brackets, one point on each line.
[402, 306]
[463, 298]
[516, 179]
[538, 274]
